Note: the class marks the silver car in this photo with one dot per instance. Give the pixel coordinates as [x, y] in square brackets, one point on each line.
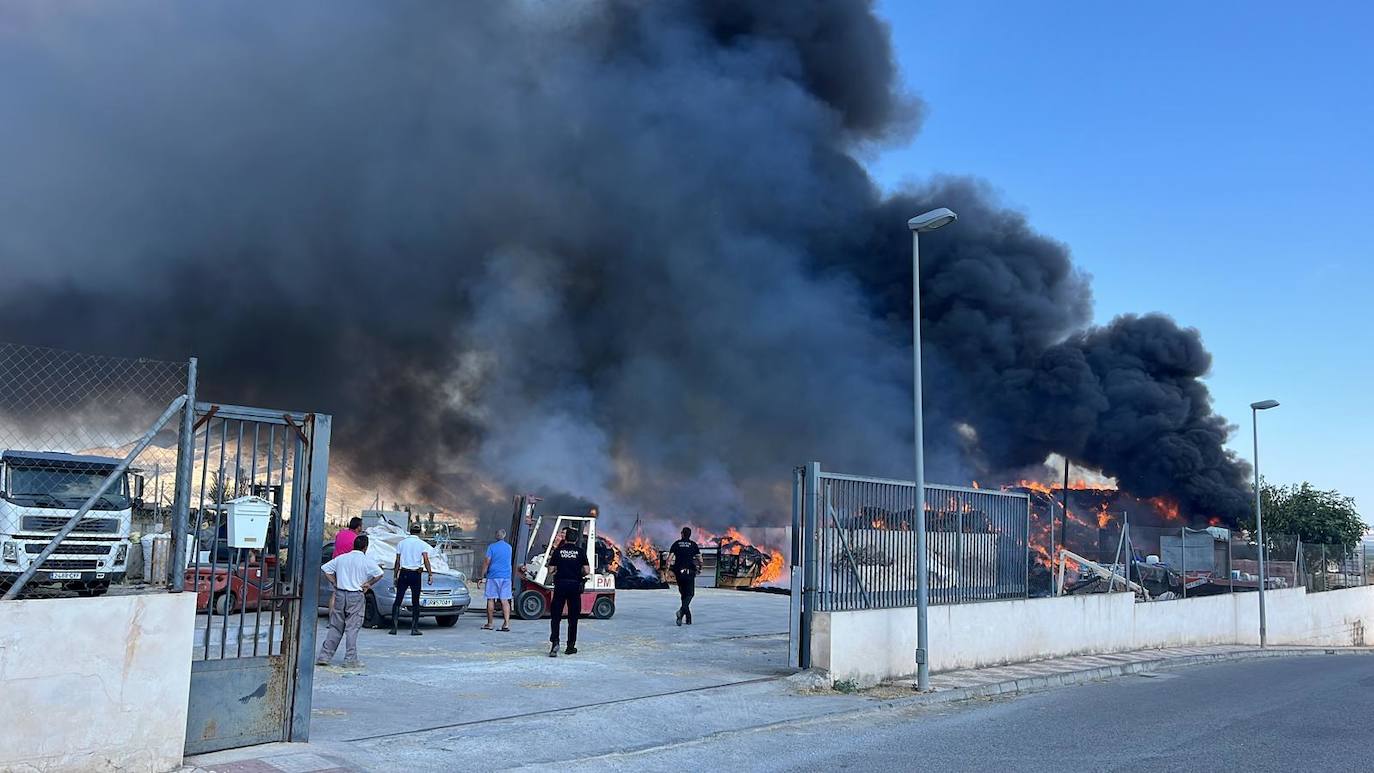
[445, 601]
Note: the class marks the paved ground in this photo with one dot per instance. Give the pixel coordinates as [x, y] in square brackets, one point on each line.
[646, 695]
[1272, 714]
[455, 676]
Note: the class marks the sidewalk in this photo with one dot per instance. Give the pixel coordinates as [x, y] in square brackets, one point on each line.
[617, 727]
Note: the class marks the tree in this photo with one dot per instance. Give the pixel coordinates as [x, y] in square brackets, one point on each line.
[1315, 516]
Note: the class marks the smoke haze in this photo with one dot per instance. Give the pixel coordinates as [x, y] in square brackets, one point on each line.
[620, 253]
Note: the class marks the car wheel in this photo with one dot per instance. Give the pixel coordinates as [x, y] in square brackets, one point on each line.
[603, 607]
[226, 603]
[530, 605]
[372, 614]
[446, 621]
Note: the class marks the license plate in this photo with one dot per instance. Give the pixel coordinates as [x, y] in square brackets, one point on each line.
[65, 575]
[436, 602]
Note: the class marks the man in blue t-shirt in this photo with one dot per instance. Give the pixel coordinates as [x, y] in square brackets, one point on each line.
[496, 569]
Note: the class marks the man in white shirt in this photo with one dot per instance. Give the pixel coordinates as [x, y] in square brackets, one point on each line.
[351, 574]
[412, 555]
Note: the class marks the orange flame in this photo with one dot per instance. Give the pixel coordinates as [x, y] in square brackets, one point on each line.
[1165, 507]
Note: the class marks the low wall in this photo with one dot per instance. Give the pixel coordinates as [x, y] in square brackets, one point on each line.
[872, 645]
[95, 684]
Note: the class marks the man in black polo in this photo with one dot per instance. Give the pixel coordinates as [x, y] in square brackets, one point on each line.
[570, 568]
[686, 566]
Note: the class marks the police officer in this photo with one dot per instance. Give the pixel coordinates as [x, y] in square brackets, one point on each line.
[570, 568]
[686, 566]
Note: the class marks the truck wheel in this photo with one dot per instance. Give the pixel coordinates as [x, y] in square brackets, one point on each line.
[530, 605]
[226, 603]
[446, 621]
[603, 607]
[372, 615]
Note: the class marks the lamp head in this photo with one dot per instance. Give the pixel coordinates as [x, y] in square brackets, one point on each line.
[1264, 405]
[929, 221]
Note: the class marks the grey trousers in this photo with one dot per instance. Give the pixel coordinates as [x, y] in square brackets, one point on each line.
[345, 618]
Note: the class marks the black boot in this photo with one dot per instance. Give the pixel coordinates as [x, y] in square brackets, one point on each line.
[415, 626]
[679, 617]
[553, 650]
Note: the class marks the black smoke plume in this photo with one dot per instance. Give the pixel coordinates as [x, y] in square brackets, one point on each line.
[622, 252]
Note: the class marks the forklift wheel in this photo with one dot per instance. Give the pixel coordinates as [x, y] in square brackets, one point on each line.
[530, 605]
[603, 607]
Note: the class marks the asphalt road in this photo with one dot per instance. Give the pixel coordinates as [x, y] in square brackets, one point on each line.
[1275, 714]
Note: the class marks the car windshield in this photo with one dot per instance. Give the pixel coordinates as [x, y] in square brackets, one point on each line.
[65, 488]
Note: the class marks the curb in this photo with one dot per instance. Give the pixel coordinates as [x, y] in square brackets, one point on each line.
[1037, 683]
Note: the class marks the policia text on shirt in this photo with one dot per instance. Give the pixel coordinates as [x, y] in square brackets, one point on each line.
[570, 568]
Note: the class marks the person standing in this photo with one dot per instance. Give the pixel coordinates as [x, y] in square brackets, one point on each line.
[686, 566]
[496, 568]
[570, 568]
[412, 555]
[343, 541]
[351, 574]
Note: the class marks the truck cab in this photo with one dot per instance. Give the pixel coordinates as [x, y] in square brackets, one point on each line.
[39, 492]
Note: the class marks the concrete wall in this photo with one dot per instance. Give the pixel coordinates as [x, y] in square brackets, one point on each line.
[870, 646]
[95, 684]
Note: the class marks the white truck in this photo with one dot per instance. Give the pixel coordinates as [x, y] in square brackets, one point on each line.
[39, 492]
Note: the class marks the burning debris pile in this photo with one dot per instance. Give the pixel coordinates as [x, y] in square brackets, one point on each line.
[734, 559]
[636, 565]
[1108, 531]
[742, 564]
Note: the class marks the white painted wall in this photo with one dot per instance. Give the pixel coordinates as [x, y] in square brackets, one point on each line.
[95, 684]
[870, 646]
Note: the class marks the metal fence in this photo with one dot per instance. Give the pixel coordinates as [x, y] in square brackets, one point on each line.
[80, 435]
[864, 542]
[1183, 562]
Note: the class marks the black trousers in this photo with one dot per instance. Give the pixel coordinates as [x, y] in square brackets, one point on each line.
[569, 596]
[686, 588]
[408, 579]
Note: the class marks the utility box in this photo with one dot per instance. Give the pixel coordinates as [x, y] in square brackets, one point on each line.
[248, 519]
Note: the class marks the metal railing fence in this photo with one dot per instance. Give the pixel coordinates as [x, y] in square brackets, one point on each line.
[864, 543]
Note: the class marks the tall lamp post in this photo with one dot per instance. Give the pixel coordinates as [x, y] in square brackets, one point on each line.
[1255, 408]
[936, 218]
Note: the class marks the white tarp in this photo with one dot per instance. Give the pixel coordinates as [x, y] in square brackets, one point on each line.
[382, 540]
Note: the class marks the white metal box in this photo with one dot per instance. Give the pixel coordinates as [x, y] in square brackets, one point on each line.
[248, 519]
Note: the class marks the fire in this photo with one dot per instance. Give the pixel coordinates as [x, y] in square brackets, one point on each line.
[1166, 507]
[733, 543]
[640, 546]
[1104, 517]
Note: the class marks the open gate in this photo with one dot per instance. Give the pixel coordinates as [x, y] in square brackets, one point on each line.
[253, 664]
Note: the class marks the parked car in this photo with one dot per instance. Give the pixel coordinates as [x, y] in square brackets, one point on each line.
[445, 601]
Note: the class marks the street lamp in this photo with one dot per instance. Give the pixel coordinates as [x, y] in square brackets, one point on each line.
[929, 221]
[1255, 408]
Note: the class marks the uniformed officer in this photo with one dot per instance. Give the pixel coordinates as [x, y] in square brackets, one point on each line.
[686, 566]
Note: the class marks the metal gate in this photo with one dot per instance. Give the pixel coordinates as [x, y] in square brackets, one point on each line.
[253, 665]
[854, 546]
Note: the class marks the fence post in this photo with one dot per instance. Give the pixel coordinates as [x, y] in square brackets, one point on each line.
[1326, 577]
[810, 540]
[181, 501]
[1230, 572]
[794, 612]
[1183, 557]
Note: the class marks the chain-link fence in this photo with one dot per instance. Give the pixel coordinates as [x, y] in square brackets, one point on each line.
[82, 432]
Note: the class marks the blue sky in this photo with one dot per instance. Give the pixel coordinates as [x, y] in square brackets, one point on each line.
[1213, 161]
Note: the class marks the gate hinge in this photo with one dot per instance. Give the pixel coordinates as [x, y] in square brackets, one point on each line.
[920, 656]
